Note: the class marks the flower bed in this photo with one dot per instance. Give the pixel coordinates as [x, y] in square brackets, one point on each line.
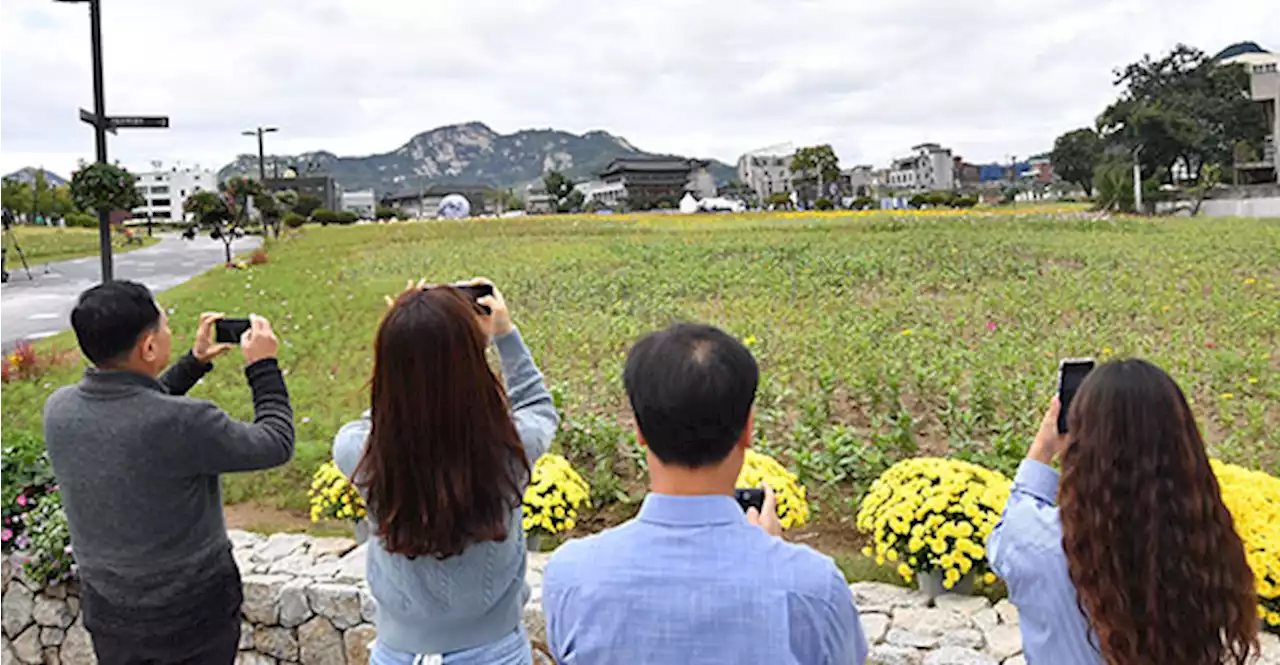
[931, 514]
[1253, 498]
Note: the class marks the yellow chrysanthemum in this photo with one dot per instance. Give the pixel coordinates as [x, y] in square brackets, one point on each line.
[554, 494]
[943, 509]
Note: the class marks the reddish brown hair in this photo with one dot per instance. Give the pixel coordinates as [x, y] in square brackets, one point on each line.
[1154, 555]
[444, 466]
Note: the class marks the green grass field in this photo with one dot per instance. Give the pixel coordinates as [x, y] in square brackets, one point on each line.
[44, 244]
[880, 336]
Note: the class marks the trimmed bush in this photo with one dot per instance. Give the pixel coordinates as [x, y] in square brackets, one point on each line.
[324, 216]
[823, 204]
[293, 220]
[82, 220]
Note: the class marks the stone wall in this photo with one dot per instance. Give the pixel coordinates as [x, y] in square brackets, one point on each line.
[305, 601]
[904, 629]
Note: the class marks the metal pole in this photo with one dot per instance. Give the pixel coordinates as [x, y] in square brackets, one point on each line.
[1137, 187]
[1137, 181]
[262, 160]
[100, 131]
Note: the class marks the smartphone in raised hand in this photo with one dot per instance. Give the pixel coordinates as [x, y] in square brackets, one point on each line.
[229, 331]
[475, 292]
[1071, 373]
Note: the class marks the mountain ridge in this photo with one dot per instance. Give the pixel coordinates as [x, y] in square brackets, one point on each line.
[469, 153]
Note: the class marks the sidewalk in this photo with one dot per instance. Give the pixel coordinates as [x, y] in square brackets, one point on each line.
[39, 307]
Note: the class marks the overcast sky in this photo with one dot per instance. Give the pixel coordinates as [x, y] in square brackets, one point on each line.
[710, 78]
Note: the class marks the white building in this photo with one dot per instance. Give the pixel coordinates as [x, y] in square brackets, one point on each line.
[767, 171]
[361, 201]
[165, 190]
[1264, 87]
[930, 169]
[607, 194]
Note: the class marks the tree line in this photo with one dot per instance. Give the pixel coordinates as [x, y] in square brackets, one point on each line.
[1183, 118]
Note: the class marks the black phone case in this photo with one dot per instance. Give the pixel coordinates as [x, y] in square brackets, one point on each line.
[749, 498]
[228, 331]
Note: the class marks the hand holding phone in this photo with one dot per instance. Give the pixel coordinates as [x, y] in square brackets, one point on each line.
[229, 331]
[1071, 373]
[766, 515]
[749, 497]
[475, 292]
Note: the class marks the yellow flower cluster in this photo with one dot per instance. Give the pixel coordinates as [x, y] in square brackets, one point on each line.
[1253, 498]
[333, 496]
[930, 514]
[793, 507]
[554, 495]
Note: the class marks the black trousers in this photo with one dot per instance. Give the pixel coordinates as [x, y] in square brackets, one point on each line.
[202, 628]
[216, 646]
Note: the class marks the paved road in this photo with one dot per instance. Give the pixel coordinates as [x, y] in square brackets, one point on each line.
[32, 309]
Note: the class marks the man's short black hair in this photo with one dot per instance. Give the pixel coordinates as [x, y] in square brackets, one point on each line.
[691, 388]
[110, 318]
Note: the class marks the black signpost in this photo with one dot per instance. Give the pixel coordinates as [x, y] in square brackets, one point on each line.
[102, 123]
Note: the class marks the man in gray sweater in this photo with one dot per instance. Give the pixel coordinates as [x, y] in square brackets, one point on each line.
[137, 464]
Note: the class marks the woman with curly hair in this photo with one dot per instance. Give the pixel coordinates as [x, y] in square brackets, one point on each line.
[1139, 562]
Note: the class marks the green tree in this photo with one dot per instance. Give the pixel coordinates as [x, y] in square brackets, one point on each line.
[816, 167]
[305, 204]
[12, 195]
[1075, 156]
[561, 190]
[1183, 108]
[271, 209]
[214, 213]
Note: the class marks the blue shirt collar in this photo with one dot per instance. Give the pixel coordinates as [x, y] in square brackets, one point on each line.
[700, 510]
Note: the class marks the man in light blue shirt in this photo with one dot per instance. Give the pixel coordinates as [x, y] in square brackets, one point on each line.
[693, 579]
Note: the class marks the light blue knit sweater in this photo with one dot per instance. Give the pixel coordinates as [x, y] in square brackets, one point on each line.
[431, 606]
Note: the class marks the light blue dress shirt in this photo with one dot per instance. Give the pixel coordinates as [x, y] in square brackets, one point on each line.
[1026, 550]
[691, 581]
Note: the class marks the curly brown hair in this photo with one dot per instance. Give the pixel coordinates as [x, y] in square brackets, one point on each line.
[1154, 555]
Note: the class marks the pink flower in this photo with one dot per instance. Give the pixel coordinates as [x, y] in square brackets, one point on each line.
[22, 499]
[991, 325]
[6, 535]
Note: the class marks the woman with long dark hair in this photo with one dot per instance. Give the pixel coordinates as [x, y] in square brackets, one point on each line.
[1139, 562]
[442, 459]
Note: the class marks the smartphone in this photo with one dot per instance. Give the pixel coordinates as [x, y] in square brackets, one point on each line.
[476, 292]
[228, 331]
[1071, 373]
[749, 497]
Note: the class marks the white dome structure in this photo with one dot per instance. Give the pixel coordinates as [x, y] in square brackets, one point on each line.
[454, 206]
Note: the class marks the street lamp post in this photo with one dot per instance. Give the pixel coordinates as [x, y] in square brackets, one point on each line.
[262, 156]
[99, 126]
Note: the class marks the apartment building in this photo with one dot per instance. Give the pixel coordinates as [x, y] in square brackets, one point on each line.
[165, 190]
[767, 171]
[930, 169]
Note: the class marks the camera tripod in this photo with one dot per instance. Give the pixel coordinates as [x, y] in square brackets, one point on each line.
[4, 252]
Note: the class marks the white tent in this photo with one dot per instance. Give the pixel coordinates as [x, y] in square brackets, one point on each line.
[688, 204]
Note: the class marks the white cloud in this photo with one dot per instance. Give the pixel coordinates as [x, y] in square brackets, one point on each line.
[713, 77]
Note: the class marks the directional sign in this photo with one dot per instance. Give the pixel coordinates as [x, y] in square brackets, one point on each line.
[115, 122]
[157, 121]
[86, 116]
